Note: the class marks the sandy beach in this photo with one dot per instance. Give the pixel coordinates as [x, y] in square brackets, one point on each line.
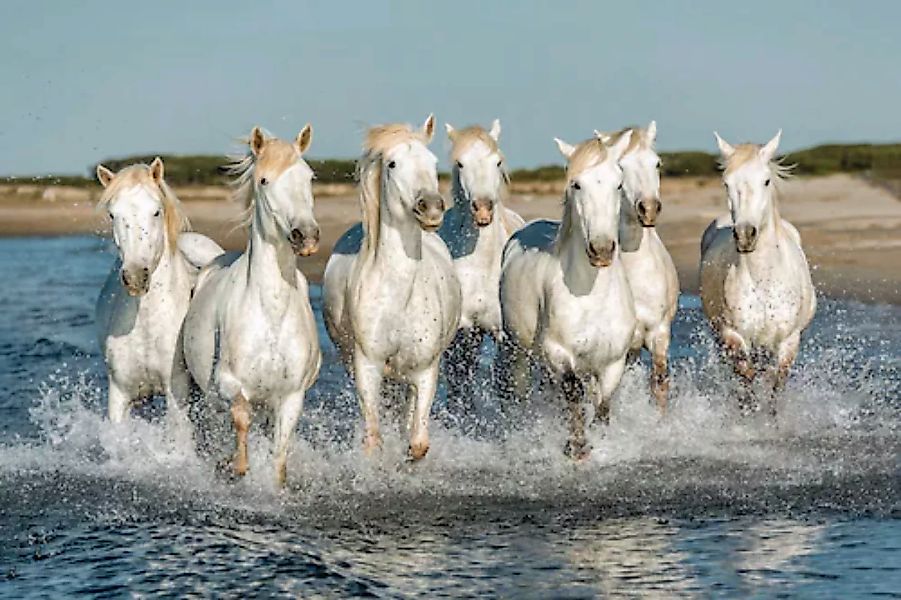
[851, 229]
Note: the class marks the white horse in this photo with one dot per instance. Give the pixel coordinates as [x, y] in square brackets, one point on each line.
[249, 336]
[144, 299]
[755, 282]
[475, 229]
[649, 267]
[391, 300]
[565, 296]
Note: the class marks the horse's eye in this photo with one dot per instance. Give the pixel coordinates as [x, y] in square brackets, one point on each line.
[459, 165]
[499, 163]
[392, 164]
[659, 164]
[576, 185]
[767, 182]
[620, 186]
[157, 213]
[111, 218]
[263, 181]
[726, 185]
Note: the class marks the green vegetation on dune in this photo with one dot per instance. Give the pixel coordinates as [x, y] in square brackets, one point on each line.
[878, 161]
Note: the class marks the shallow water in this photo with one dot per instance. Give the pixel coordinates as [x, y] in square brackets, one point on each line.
[704, 503]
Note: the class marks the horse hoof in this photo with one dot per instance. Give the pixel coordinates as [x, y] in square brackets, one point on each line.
[372, 448]
[229, 468]
[417, 452]
[578, 453]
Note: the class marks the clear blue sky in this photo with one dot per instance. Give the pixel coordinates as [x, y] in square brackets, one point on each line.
[80, 81]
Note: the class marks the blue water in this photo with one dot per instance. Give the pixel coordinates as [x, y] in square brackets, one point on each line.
[705, 503]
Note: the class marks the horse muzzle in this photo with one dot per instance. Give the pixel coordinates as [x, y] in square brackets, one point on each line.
[648, 210]
[745, 238]
[482, 212]
[429, 210]
[601, 254]
[304, 243]
[135, 281]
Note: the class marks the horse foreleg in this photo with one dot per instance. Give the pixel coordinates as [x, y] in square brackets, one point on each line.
[658, 345]
[241, 412]
[425, 384]
[119, 402]
[368, 378]
[574, 394]
[737, 352]
[461, 363]
[285, 423]
[785, 358]
[513, 380]
[606, 387]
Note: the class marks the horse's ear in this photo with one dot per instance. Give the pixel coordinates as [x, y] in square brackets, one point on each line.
[565, 149]
[652, 131]
[604, 137]
[256, 141]
[620, 145]
[304, 138]
[769, 150]
[726, 148]
[104, 175]
[428, 128]
[156, 170]
[495, 131]
[451, 132]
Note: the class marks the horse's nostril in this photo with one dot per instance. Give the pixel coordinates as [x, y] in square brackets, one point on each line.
[753, 232]
[422, 205]
[641, 209]
[659, 206]
[296, 236]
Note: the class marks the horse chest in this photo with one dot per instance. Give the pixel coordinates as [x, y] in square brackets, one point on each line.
[401, 325]
[266, 343]
[587, 332]
[479, 276]
[649, 282]
[142, 358]
[764, 306]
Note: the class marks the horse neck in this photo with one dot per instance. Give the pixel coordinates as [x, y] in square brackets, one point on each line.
[399, 242]
[769, 240]
[572, 252]
[171, 272]
[269, 254]
[632, 234]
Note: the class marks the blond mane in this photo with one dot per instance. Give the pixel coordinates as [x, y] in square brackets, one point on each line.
[745, 153]
[140, 175]
[378, 141]
[639, 139]
[462, 139]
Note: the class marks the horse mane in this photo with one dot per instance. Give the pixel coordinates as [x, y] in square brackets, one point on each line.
[139, 175]
[639, 139]
[745, 153]
[242, 168]
[586, 155]
[378, 141]
[464, 138]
